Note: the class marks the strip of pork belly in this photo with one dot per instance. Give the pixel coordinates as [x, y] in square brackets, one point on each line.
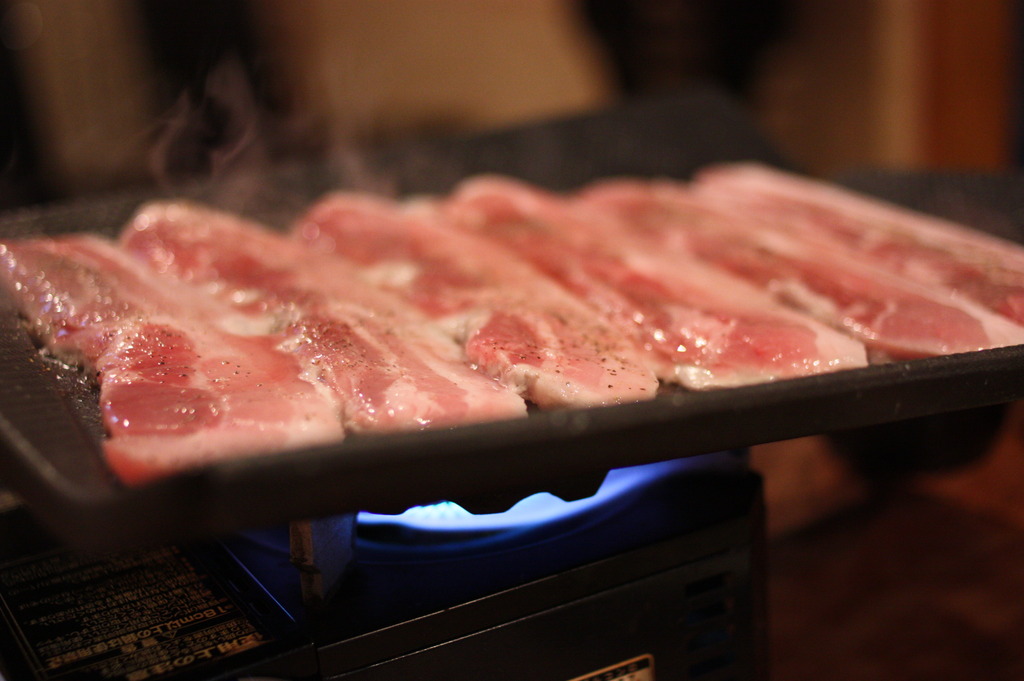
[175, 391]
[391, 368]
[512, 321]
[700, 327]
[893, 316]
[983, 268]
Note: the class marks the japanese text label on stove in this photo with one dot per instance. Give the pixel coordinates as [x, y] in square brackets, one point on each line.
[147, 614]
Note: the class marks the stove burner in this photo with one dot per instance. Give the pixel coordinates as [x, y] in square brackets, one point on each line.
[473, 555]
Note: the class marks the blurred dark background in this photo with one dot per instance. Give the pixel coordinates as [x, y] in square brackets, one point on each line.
[115, 93]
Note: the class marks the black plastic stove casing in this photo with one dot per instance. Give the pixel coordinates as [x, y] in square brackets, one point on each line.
[691, 606]
[669, 583]
[671, 575]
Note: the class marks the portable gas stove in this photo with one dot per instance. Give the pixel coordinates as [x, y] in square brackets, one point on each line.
[654, 576]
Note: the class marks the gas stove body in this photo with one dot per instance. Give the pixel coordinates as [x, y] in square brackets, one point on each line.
[657, 576]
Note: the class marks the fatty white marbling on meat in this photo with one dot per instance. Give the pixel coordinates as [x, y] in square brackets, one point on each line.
[699, 326]
[390, 368]
[175, 390]
[932, 251]
[894, 316]
[514, 323]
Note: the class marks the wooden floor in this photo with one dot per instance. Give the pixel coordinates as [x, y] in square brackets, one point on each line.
[925, 581]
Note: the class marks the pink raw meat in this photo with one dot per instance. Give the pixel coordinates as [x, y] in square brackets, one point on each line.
[890, 314]
[391, 368]
[700, 327]
[175, 390]
[514, 323]
[985, 269]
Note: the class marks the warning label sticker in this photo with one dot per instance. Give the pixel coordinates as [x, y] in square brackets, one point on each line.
[637, 669]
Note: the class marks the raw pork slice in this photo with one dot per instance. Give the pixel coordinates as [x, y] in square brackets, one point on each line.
[513, 322]
[391, 369]
[985, 269]
[892, 315]
[700, 327]
[175, 391]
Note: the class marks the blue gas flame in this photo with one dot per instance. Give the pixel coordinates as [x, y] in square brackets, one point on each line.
[535, 509]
